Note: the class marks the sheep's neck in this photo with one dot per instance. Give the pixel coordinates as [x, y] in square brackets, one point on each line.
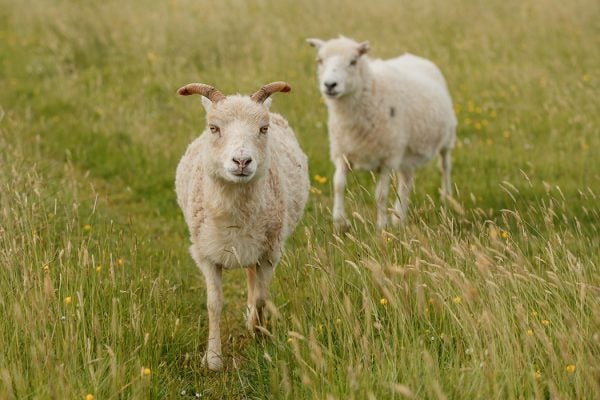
[237, 196]
[361, 103]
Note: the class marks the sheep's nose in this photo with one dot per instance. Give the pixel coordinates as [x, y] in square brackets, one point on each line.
[242, 162]
[330, 85]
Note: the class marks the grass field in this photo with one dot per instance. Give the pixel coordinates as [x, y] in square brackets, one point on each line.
[494, 295]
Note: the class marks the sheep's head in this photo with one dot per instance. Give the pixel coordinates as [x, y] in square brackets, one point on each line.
[238, 129]
[340, 64]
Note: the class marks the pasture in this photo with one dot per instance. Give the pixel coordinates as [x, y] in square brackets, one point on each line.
[495, 294]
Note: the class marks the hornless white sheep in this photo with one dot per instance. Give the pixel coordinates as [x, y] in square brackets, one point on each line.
[389, 116]
[242, 186]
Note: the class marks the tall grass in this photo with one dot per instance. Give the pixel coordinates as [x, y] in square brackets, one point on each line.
[493, 295]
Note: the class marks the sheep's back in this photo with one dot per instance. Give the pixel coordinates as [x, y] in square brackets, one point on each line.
[416, 66]
[425, 114]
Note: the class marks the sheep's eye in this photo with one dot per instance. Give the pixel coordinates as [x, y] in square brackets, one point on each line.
[214, 129]
[319, 60]
[353, 62]
[264, 129]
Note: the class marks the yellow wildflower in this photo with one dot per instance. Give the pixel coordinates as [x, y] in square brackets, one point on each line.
[46, 268]
[545, 322]
[457, 300]
[529, 332]
[120, 262]
[146, 371]
[89, 396]
[290, 340]
[68, 300]
[87, 227]
[478, 126]
[470, 106]
[98, 268]
[504, 234]
[570, 368]
[315, 190]
[537, 374]
[320, 179]
[151, 56]
[384, 301]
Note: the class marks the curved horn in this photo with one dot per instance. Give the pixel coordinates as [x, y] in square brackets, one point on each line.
[207, 91]
[264, 92]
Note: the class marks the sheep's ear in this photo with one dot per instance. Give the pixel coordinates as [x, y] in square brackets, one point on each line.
[268, 102]
[206, 103]
[363, 48]
[316, 43]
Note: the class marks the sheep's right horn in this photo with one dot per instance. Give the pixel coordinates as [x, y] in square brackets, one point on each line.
[264, 92]
[207, 91]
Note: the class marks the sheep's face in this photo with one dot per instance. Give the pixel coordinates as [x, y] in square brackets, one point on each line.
[238, 129]
[340, 64]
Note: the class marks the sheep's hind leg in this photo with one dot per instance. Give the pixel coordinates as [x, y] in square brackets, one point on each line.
[404, 180]
[446, 169]
[214, 301]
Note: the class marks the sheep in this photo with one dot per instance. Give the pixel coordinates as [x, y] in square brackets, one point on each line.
[242, 186]
[388, 116]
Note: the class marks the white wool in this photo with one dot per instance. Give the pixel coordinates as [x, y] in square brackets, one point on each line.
[384, 115]
[240, 221]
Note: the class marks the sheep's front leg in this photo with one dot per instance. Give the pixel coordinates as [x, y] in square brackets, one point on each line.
[404, 179]
[214, 301]
[264, 273]
[339, 186]
[381, 197]
[251, 316]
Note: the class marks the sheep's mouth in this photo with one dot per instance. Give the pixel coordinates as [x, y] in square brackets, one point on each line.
[241, 176]
[332, 94]
[241, 173]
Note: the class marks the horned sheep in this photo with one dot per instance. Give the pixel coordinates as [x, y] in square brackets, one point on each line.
[389, 116]
[242, 186]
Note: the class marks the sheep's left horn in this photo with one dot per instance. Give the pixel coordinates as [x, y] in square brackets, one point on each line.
[207, 91]
[264, 92]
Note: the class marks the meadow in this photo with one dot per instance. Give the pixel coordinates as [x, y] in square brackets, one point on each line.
[495, 294]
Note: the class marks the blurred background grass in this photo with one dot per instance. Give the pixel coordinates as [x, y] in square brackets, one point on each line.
[495, 295]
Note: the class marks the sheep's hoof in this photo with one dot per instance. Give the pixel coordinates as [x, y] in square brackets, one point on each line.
[397, 221]
[255, 322]
[341, 225]
[252, 319]
[212, 361]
